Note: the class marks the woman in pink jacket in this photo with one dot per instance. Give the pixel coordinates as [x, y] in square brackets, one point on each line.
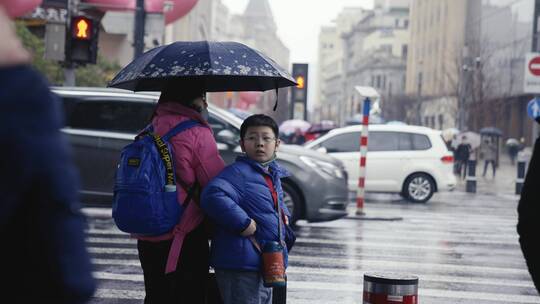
[175, 265]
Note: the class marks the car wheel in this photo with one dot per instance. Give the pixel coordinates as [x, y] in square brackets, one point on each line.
[292, 201]
[418, 188]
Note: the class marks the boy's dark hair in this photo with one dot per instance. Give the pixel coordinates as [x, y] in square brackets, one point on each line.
[259, 120]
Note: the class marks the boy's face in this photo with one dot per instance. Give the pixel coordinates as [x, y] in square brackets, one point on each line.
[259, 143]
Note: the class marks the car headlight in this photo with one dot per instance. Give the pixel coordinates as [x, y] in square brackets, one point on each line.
[322, 166]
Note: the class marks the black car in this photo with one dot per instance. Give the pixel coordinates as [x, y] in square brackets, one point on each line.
[100, 122]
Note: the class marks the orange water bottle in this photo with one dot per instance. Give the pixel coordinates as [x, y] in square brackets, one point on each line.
[273, 265]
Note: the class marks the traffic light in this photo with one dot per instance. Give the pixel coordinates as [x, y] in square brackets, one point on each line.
[81, 40]
[299, 92]
[300, 75]
[300, 80]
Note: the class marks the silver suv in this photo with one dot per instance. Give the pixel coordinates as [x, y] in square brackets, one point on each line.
[100, 122]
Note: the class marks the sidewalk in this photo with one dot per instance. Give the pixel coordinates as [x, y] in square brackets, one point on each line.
[503, 183]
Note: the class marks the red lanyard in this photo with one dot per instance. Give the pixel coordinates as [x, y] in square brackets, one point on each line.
[272, 190]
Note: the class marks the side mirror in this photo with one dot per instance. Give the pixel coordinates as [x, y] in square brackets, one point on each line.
[226, 136]
[321, 149]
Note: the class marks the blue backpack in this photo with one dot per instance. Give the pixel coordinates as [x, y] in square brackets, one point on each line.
[145, 198]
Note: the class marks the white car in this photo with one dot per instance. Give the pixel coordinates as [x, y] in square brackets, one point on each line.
[410, 160]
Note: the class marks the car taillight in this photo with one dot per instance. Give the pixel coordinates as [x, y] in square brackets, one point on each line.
[447, 159]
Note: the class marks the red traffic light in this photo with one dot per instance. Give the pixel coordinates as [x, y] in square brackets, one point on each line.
[81, 28]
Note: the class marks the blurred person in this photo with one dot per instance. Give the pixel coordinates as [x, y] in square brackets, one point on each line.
[489, 153]
[463, 153]
[246, 202]
[528, 226]
[196, 161]
[513, 151]
[297, 138]
[44, 257]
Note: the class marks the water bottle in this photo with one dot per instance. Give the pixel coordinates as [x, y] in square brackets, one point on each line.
[273, 266]
[170, 188]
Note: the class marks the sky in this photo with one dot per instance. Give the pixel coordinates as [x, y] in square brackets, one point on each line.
[299, 23]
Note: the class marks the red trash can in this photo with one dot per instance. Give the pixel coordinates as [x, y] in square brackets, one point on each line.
[390, 288]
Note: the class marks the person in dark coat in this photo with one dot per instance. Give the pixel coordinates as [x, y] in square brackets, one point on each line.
[43, 257]
[463, 153]
[528, 226]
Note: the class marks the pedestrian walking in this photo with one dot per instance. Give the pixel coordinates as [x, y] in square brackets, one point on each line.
[297, 137]
[488, 150]
[44, 257]
[196, 161]
[463, 153]
[528, 226]
[513, 146]
[246, 202]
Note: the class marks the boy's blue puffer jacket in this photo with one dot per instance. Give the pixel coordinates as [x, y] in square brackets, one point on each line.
[240, 193]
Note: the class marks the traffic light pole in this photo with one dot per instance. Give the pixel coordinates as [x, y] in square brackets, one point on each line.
[69, 66]
[138, 37]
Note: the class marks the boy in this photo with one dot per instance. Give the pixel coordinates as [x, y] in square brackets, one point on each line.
[241, 203]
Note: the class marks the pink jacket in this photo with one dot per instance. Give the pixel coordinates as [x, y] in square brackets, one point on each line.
[196, 159]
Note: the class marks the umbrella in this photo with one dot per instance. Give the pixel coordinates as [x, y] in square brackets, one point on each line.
[512, 142]
[470, 138]
[491, 131]
[289, 126]
[448, 134]
[325, 125]
[217, 66]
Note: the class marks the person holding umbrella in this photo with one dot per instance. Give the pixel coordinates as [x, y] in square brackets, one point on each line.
[183, 71]
[176, 271]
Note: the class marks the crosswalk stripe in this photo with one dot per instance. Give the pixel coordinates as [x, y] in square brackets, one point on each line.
[295, 255]
[354, 288]
[119, 294]
[292, 271]
[467, 247]
[370, 265]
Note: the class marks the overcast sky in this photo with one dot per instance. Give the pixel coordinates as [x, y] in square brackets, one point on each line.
[299, 21]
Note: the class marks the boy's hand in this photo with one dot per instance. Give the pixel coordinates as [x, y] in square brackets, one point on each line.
[250, 230]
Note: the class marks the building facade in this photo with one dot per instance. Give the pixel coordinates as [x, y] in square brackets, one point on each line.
[375, 52]
[466, 63]
[330, 73]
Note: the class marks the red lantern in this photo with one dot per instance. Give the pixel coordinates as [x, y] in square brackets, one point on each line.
[17, 8]
[180, 9]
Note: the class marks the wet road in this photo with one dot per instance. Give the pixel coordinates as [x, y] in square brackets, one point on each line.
[464, 249]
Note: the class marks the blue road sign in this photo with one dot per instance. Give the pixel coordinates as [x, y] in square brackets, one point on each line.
[533, 108]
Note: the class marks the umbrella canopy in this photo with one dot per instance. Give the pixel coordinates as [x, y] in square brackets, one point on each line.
[289, 126]
[216, 66]
[491, 131]
[448, 134]
[470, 138]
[512, 142]
[324, 125]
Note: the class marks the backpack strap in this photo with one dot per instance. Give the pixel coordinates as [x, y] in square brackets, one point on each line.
[179, 128]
